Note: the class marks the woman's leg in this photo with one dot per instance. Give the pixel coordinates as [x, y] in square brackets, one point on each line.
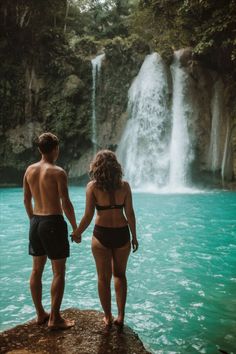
[103, 256]
[119, 263]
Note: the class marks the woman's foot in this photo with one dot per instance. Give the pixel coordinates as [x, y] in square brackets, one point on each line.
[119, 322]
[42, 318]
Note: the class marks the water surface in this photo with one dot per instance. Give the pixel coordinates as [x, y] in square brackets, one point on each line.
[182, 282]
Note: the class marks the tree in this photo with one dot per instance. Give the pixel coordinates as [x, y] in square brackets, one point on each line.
[206, 25]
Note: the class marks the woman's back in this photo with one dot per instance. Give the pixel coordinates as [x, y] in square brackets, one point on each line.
[110, 206]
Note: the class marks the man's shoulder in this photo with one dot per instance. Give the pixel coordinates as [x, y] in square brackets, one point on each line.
[59, 171]
[31, 167]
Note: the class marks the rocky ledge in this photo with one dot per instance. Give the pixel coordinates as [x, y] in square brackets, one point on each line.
[88, 336]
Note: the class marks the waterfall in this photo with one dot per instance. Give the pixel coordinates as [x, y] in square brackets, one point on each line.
[156, 147]
[96, 66]
[226, 171]
[144, 146]
[181, 152]
[214, 158]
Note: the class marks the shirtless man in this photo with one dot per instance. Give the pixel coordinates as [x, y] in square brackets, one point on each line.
[46, 183]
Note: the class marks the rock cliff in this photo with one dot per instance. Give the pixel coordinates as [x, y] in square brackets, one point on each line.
[54, 92]
[210, 94]
[56, 96]
[88, 336]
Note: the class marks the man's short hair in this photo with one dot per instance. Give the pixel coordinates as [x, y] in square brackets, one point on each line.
[46, 142]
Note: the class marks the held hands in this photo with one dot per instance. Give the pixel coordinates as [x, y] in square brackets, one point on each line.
[135, 244]
[75, 236]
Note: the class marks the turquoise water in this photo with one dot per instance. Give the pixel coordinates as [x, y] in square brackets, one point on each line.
[182, 282]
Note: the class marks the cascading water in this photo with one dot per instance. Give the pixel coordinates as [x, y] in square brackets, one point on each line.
[144, 147]
[96, 66]
[153, 156]
[226, 155]
[181, 150]
[214, 158]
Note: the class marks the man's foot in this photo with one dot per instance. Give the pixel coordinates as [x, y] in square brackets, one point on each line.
[61, 324]
[43, 318]
[108, 321]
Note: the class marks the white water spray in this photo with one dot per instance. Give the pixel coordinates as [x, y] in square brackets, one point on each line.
[96, 66]
[154, 157]
[143, 150]
[181, 151]
[226, 154]
[214, 158]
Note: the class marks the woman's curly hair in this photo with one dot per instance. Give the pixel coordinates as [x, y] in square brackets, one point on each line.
[106, 171]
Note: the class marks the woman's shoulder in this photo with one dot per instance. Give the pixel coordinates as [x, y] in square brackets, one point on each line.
[125, 185]
[91, 186]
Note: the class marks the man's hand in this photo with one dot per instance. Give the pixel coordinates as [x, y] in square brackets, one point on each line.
[76, 237]
[135, 244]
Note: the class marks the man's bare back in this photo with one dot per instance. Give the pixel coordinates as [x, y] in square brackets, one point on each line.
[45, 182]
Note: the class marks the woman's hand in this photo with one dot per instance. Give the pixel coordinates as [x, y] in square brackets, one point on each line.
[135, 244]
[75, 236]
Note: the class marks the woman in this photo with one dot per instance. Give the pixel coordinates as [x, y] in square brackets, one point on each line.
[109, 194]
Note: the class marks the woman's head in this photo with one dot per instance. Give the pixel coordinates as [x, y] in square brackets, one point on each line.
[106, 171]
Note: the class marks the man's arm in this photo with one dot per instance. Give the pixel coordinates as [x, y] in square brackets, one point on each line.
[65, 199]
[27, 197]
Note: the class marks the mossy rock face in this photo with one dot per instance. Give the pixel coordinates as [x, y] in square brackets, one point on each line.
[87, 46]
[72, 86]
[47, 92]
[53, 92]
[120, 49]
[50, 89]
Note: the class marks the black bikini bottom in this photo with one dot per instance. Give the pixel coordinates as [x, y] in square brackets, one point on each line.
[112, 237]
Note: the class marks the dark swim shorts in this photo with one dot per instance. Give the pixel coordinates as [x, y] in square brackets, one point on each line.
[48, 235]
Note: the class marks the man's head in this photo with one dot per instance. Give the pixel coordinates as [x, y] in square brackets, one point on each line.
[48, 144]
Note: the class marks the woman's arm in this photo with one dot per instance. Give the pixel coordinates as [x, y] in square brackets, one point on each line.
[129, 212]
[88, 214]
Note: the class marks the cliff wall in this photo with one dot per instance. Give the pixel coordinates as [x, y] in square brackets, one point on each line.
[52, 91]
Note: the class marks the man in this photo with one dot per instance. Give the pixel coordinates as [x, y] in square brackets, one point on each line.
[46, 183]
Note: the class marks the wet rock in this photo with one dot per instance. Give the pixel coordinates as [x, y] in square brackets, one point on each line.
[88, 336]
[185, 56]
[72, 86]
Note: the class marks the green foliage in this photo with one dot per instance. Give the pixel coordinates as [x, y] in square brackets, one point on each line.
[106, 19]
[120, 49]
[87, 45]
[206, 25]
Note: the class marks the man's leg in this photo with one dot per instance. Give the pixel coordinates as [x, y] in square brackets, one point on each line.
[57, 291]
[36, 287]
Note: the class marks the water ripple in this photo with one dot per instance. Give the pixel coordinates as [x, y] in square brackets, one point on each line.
[182, 281]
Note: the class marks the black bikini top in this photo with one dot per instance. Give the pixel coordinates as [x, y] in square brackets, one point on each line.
[106, 207]
[112, 205]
